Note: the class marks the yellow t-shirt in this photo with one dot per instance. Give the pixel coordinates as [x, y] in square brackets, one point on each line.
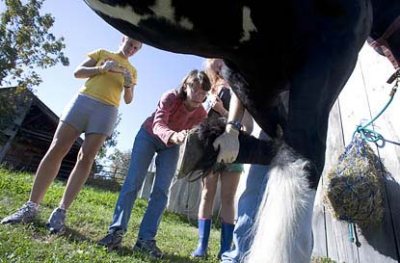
[107, 87]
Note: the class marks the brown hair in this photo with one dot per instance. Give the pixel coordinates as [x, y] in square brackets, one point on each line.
[197, 78]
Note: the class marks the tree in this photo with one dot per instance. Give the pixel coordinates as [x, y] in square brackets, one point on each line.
[26, 43]
[119, 164]
[115, 165]
[110, 142]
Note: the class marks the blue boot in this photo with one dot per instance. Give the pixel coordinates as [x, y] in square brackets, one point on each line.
[226, 238]
[204, 234]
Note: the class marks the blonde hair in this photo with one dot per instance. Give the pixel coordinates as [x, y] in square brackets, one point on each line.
[213, 68]
[126, 38]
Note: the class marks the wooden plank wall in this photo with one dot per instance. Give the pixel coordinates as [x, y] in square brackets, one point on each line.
[363, 97]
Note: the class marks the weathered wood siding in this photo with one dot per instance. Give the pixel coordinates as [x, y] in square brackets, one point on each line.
[363, 97]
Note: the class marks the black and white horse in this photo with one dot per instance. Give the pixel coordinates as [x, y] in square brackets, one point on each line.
[306, 47]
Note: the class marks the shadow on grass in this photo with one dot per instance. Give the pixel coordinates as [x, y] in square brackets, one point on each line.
[41, 233]
[75, 236]
[125, 251]
[166, 258]
[179, 259]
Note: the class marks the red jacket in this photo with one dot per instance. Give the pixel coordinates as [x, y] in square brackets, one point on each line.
[172, 116]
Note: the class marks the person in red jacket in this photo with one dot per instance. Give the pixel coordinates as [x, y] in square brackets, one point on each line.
[162, 133]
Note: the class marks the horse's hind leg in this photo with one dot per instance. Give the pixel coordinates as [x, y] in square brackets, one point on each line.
[283, 232]
[284, 221]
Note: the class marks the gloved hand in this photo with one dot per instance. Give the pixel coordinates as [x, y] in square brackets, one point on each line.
[108, 65]
[228, 145]
[127, 79]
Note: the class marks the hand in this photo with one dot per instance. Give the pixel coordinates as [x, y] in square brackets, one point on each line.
[178, 137]
[127, 78]
[108, 65]
[228, 145]
[209, 103]
[218, 106]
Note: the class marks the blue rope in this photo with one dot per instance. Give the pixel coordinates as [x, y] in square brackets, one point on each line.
[370, 135]
[352, 236]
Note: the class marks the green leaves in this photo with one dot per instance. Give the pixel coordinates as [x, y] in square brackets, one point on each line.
[27, 43]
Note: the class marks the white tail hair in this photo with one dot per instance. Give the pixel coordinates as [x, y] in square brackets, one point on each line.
[283, 227]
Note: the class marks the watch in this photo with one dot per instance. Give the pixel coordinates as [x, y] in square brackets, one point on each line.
[235, 124]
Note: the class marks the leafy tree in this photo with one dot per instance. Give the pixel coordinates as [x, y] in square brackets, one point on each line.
[115, 165]
[26, 43]
[119, 164]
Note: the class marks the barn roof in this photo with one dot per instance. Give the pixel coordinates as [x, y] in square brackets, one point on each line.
[27, 132]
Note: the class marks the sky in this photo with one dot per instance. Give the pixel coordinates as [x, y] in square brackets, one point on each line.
[84, 31]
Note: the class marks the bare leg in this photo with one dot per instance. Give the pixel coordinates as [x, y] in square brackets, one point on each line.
[229, 184]
[80, 173]
[207, 196]
[49, 166]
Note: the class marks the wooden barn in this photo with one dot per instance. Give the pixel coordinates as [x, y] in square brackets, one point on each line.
[26, 131]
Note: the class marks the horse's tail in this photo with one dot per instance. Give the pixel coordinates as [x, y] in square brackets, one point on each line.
[282, 231]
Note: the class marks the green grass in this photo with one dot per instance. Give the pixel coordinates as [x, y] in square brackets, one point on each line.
[87, 222]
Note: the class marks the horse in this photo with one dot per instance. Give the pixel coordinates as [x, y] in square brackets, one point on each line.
[304, 47]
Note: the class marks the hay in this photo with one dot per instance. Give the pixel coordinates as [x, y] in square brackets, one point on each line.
[353, 191]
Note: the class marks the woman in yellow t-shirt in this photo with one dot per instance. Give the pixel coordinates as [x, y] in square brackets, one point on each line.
[93, 111]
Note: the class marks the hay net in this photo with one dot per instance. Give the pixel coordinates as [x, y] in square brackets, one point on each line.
[353, 189]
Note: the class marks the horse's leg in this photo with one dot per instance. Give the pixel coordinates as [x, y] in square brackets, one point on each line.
[283, 225]
[283, 232]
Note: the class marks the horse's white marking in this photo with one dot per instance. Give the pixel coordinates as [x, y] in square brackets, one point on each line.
[282, 232]
[125, 13]
[186, 23]
[162, 9]
[248, 25]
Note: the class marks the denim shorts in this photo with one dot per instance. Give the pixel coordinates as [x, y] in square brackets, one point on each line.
[230, 167]
[89, 115]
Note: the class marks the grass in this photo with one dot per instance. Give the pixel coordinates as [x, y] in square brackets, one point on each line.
[87, 222]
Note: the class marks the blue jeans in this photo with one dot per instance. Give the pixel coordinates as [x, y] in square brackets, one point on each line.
[144, 148]
[247, 209]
